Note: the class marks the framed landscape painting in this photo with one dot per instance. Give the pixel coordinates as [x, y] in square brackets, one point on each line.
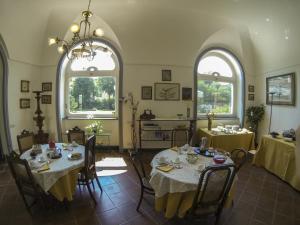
[281, 89]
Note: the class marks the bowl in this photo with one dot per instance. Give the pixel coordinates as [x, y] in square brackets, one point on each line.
[219, 159]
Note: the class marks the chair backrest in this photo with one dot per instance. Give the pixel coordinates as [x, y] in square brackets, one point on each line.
[213, 187]
[89, 157]
[25, 141]
[76, 134]
[180, 137]
[239, 157]
[22, 174]
[138, 165]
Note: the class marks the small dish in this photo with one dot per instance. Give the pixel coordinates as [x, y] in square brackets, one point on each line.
[74, 156]
[219, 159]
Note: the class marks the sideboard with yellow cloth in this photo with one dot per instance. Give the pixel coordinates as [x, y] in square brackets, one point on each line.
[278, 156]
[228, 142]
[59, 177]
[175, 189]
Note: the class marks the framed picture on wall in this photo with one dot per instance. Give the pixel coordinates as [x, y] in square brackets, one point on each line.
[166, 75]
[250, 88]
[167, 91]
[281, 89]
[250, 97]
[187, 93]
[25, 85]
[147, 92]
[47, 86]
[24, 103]
[46, 99]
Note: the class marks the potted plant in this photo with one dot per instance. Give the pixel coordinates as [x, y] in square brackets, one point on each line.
[254, 116]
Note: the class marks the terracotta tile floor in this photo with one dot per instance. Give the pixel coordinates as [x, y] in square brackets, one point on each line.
[261, 199]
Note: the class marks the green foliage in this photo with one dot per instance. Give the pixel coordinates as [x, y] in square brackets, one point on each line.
[214, 96]
[255, 115]
[92, 90]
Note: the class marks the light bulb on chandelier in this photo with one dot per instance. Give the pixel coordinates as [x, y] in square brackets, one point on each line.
[85, 49]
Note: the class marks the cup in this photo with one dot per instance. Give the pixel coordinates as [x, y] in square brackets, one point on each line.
[177, 160]
[41, 159]
[74, 143]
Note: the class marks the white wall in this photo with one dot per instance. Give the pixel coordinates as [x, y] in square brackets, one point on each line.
[283, 117]
[20, 119]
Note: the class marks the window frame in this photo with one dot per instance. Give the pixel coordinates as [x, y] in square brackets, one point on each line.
[96, 73]
[232, 80]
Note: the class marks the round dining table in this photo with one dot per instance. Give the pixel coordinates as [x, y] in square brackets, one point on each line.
[57, 176]
[175, 189]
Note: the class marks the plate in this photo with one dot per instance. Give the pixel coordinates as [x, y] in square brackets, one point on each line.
[74, 156]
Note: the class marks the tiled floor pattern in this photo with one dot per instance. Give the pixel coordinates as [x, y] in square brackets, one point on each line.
[260, 199]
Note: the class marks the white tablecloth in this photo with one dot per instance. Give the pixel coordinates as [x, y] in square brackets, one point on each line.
[58, 167]
[177, 180]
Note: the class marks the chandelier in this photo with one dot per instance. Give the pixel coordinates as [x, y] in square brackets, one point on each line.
[81, 34]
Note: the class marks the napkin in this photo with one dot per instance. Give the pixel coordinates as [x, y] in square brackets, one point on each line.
[43, 168]
[166, 168]
[175, 148]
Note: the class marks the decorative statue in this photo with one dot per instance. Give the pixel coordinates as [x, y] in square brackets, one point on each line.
[210, 117]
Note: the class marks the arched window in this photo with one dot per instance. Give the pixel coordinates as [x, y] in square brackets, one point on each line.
[91, 86]
[220, 86]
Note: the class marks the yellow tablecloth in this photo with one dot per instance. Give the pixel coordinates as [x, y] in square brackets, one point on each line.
[180, 203]
[278, 156]
[228, 142]
[65, 187]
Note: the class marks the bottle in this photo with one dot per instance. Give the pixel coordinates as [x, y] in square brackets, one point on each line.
[51, 144]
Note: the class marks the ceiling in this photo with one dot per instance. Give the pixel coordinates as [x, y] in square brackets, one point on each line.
[156, 31]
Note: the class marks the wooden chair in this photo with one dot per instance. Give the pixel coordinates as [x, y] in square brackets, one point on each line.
[144, 180]
[89, 173]
[76, 134]
[213, 187]
[239, 157]
[25, 181]
[25, 141]
[180, 137]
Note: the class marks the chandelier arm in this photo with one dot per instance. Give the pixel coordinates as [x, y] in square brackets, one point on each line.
[88, 9]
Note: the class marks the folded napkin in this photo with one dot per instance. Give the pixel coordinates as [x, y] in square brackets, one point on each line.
[75, 155]
[166, 168]
[175, 148]
[43, 168]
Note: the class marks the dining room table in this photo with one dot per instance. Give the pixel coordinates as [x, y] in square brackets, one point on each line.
[57, 176]
[228, 141]
[175, 189]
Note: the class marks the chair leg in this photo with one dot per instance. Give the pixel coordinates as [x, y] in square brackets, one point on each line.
[90, 191]
[92, 181]
[98, 182]
[140, 201]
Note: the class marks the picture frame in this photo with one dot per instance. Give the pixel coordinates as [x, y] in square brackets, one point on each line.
[187, 94]
[47, 86]
[46, 99]
[280, 89]
[24, 103]
[146, 93]
[166, 75]
[250, 88]
[25, 85]
[250, 97]
[167, 91]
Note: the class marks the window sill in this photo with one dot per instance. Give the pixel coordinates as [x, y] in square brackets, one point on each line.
[84, 118]
[219, 118]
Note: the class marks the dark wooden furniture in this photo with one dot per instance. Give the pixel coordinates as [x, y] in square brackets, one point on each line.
[239, 157]
[25, 141]
[168, 125]
[213, 187]
[89, 173]
[144, 180]
[77, 135]
[180, 137]
[41, 137]
[25, 181]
